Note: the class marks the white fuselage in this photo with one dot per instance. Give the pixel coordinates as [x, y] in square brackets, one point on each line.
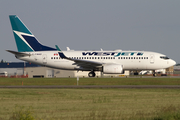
[130, 60]
[108, 62]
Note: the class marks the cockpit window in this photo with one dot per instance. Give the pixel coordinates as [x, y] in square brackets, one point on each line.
[164, 57]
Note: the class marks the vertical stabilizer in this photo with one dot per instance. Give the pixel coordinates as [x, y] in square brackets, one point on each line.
[25, 40]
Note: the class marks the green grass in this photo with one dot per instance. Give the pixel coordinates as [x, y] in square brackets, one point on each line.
[89, 81]
[91, 104]
[20, 113]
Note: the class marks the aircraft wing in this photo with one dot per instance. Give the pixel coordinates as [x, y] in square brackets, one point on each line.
[82, 63]
[18, 53]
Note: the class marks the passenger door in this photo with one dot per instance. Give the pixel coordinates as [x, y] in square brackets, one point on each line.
[152, 59]
[44, 57]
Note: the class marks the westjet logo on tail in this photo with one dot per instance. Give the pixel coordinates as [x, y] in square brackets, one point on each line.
[115, 54]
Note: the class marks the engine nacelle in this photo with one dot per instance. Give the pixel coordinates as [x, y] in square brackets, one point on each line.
[113, 69]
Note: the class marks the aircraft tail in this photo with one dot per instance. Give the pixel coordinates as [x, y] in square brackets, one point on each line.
[25, 40]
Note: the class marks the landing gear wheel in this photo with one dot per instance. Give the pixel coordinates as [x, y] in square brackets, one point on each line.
[154, 74]
[91, 74]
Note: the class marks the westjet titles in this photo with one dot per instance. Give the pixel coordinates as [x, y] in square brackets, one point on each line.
[116, 54]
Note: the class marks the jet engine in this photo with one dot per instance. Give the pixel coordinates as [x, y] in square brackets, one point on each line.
[113, 69]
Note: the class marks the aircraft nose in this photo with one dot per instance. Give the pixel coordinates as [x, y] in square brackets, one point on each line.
[173, 62]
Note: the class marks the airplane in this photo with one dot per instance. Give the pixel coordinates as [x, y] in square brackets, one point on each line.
[108, 62]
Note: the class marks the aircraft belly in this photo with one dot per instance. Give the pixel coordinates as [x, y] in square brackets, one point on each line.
[157, 65]
[135, 65]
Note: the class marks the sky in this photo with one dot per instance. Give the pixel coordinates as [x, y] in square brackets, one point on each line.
[146, 25]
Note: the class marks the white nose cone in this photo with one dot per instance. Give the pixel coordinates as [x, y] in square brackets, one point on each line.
[172, 62]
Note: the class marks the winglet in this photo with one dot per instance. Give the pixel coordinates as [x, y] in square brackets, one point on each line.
[68, 49]
[57, 48]
[62, 55]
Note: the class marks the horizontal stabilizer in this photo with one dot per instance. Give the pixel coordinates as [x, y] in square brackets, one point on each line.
[18, 53]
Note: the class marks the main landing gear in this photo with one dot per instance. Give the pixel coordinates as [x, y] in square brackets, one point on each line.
[92, 74]
[154, 73]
